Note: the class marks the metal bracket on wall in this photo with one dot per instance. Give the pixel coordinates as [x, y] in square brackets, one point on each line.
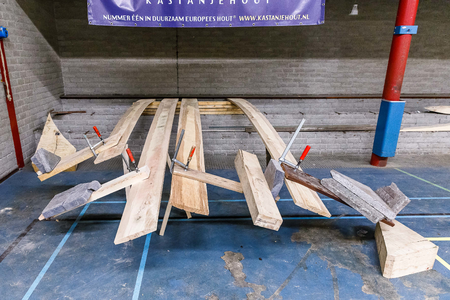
[412, 29]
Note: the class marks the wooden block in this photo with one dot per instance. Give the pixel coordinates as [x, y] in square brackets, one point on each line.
[140, 216]
[302, 196]
[188, 194]
[365, 193]
[261, 204]
[53, 141]
[353, 200]
[393, 197]
[403, 251]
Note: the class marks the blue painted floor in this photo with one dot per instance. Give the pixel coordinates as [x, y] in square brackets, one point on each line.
[222, 256]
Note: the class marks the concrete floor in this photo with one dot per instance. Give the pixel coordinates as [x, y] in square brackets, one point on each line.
[222, 256]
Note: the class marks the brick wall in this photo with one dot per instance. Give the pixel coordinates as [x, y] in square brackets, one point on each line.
[35, 74]
[106, 113]
[346, 55]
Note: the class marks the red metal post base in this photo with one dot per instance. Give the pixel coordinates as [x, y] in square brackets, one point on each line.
[378, 161]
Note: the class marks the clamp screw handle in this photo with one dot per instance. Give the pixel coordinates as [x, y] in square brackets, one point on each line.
[190, 157]
[305, 152]
[97, 131]
[130, 155]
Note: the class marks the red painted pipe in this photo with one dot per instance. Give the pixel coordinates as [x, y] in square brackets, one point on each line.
[10, 107]
[406, 15]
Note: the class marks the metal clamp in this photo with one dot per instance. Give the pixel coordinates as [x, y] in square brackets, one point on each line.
[282, 159]
[174, 159]
[406, 29]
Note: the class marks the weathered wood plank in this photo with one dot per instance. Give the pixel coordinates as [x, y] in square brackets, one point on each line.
[53, 141]
[140, 216]
[302, 196]
[208, 178]
[261, 204]
[403, 251]
[126, 126]
[437, 127]
[439, 109]
[188, 194]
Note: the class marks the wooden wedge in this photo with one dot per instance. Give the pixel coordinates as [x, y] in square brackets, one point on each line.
[301, 195]
[53, 141]
[126, 126]
[188, 194]
[140, 216]
[262, 206]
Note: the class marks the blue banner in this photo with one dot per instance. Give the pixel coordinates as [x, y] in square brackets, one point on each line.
[205, 13]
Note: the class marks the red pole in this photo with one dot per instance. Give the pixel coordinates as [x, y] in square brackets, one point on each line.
[10, 107]
[406, 16]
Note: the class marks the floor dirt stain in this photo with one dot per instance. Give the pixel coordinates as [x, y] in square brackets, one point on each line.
[234, 265]
[340, 251]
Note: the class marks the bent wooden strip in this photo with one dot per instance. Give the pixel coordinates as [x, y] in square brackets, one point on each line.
[439, 109]
[112, 186]
[187, 194]
[140, 216]
[127, 122]
[208, 178]
[437, 127]
[79, 157]
[53, 141]
[263, 208]
[301, 195]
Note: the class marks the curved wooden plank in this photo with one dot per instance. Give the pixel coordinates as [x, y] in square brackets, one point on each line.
[301, 195]
[125, 126]
[53, 141]
[188, 194]
[140, 216]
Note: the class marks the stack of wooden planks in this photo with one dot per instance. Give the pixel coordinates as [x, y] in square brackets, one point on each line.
[205, 108]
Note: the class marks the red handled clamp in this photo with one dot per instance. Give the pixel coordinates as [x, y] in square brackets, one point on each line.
[190, 157]
[305, 152]
[98, 133]
[130, 155]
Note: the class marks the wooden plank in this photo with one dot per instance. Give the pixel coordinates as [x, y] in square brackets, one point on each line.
[80, 156]
[140, 216]
[302, 196]
[205, 108]
[403, 251]
[53, 141]
[188, 194]
[437, 127]
[208, 178]
[128, 122]
[114, 185]
[439, 109]
[261, 204]
[319, 128]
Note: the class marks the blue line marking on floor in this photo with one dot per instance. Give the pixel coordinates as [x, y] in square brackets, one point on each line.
[108, 202]
[137, 287]
[417, 177]
[55, 253]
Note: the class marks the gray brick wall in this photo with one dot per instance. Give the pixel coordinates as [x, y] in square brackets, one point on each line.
[35, 74]
[105, 114]
[346, 55]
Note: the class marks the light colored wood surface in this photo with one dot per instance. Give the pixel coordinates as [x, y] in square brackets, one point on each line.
[262, 207]
[53, 141]
[113, 186]
[188, 194]
[437, 127]
[125, 125]
[79, 156]
[140, 216]
[439, 109]
[403, 251]
[208, 178]
[302, 196]
[205, 107]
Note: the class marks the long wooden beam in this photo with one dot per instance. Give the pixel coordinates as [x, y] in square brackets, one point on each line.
[208, 178]
[112, 186]
[140, 216]
[126, 126]
[301, 195]
[187, 194]
[205, 108]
